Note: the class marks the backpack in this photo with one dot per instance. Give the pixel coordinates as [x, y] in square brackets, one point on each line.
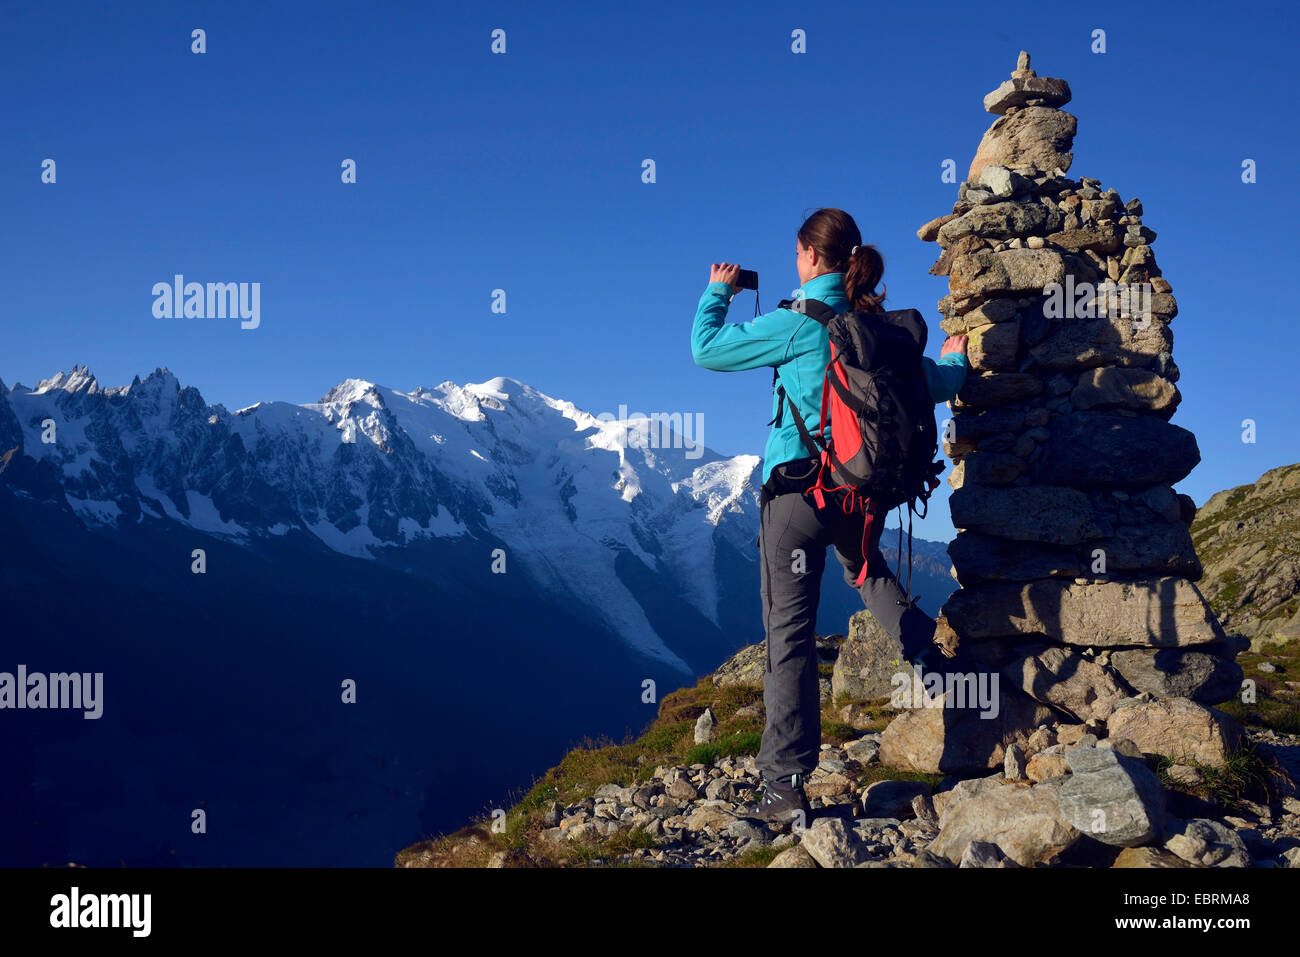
[883, 441]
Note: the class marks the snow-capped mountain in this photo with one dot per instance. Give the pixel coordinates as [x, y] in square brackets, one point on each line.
[571, 498]
[348, 541]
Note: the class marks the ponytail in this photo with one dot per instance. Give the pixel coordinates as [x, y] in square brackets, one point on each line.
[865, 269]
[835, 236]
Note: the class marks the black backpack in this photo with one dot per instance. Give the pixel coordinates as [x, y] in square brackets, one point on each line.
[882, 447]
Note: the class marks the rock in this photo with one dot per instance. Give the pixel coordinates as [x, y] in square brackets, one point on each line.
[1078, 345]
[864, 750]
[984, 854]
[745, 668]
[1208, 843]
[1101, 239]
[832, 844]
[924, 810]
[1041, 767]
[930, 231]
[1013, 765]
[867, 662]
[1112, 798]
[959, 740]
[1184, 775]
[827, 785]
[1069, 682]
[990, 389]
[1114, 387]
[1011, 271]
[719, 789]
[892, 798]
[1049, 514]
[1178, 728]
[1027, 88]
[552, 815]
[1121, 746]
[994, 348]
[1024, 821]
[1165, 612]
[1035, 136]
[709, 815]
[997, 221]
[683, 790]
[793, 857]
[1148, 857]
[1176, 673]
[1003, 183]
[1097, 449]
[977, 557]
[705, 726]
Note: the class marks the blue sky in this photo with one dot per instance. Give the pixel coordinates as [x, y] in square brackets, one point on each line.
[523, 172]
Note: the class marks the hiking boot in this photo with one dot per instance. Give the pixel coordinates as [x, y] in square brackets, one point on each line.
[779, 804]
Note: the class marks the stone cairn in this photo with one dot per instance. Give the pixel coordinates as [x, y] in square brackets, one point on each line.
[1073, 552]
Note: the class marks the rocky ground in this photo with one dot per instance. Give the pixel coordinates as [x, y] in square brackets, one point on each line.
[1072, 794]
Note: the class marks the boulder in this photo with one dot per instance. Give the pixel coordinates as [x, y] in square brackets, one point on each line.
[1112, 798]
[1176, 673]
[1080, 344]
[1160, 613]
[958, 740]
[1054, 515]
[1098, 449]
[997, 221]
[867, 661]
[1205, 842]
[892, 798]
[705, 727]
[977, 557]
[990, 389]
[1069, 682]
[984, 854]
[1043, 766]
[988, 273]
[994, 348]
[795, 856]
[1024, 821]
[1148, 857]
[1179, 729]
[1116, 387]
[1035, 136]
[831, 843]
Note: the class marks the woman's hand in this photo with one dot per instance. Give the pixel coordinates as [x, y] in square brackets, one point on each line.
[954, 344]
[725, 272]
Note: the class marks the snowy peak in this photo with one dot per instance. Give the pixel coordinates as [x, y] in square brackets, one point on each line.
[367, 470]
[78, 379]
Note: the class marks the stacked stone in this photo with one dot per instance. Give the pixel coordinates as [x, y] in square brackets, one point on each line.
[1073, 551]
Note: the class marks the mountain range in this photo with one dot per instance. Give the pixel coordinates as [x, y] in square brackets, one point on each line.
[228, 572]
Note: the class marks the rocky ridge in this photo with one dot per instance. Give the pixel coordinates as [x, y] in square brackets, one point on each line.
[1248, 539]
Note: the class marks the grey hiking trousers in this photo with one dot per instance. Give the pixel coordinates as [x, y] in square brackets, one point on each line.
[793, 538]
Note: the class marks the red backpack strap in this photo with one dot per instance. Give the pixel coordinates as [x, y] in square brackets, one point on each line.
[867, 520]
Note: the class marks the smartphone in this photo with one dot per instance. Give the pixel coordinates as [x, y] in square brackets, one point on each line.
[748, 279]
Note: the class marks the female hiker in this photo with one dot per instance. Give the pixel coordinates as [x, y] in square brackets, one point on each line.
[836, 268]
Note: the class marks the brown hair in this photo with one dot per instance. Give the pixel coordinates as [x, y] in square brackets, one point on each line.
[833, 233]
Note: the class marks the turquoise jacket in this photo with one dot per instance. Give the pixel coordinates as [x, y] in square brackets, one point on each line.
[799, 348]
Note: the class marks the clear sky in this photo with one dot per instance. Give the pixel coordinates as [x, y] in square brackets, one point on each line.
[523, 172]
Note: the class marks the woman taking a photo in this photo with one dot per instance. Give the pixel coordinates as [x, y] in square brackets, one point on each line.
[835, 268]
